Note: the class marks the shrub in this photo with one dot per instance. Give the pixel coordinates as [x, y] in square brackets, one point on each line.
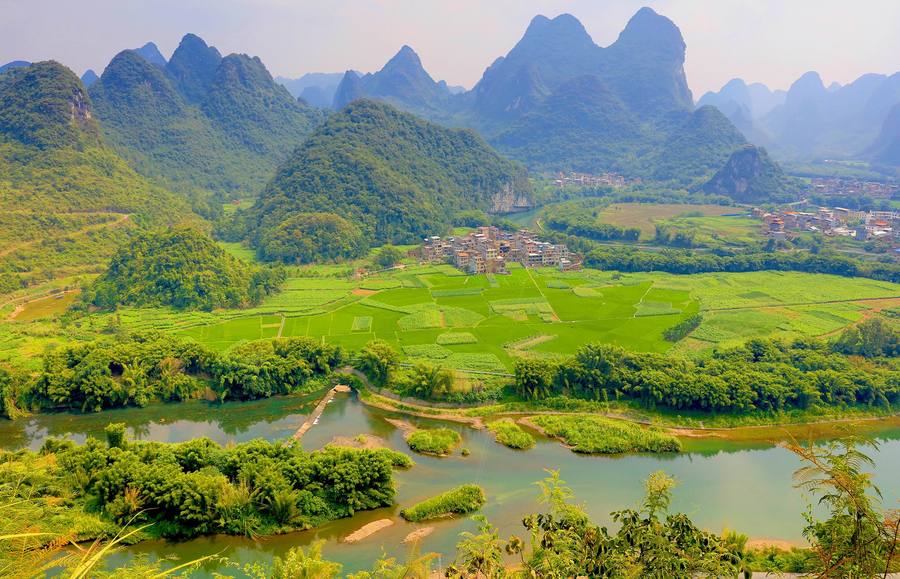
[459, 501]
[510, 434]
[440, 441]
[681, 330]
[597, 435]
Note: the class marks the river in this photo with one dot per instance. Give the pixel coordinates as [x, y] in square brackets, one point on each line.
[745, 485]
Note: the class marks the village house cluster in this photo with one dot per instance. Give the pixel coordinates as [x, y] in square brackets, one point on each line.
[489, 250]
[613, 180]
[852, 187]
[862, 225]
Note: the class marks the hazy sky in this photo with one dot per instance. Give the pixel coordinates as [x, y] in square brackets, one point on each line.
[771, 41]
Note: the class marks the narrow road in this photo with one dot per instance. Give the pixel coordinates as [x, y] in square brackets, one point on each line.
[77, 233]
[785, 305]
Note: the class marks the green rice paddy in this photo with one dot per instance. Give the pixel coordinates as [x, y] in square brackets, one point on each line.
[483, 323]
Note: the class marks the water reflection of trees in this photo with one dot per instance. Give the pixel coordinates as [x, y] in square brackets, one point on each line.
[231, 418]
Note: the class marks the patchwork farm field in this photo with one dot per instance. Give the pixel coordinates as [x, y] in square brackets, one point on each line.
[469, 322]
[645, 216]
[482, 323]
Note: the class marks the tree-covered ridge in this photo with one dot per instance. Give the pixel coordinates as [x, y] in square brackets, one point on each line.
[54, 170]
[582, 126]
[751, 176]
[152, 126]
[182, 268]
[45, 105]
[247, 105]
[193, 66]
[397, 176]
[694, 149]
[201, 123]
[77, 180]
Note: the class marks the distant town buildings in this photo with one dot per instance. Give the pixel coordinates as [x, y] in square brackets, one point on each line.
[613, 180]
[851, 187]
[489, 250]
[862, 225]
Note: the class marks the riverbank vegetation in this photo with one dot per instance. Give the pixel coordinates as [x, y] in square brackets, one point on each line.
[135, 369]
[589, 434]
[437, 441]
[853, 537]
[193, 488]
[510, 434]
[761, 375]
[458, 501]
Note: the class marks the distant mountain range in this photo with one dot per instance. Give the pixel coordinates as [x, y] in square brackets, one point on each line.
[810, 121]
[557, 101]
[316, 88]
[13, 64]
[202, 124]
[199, 121]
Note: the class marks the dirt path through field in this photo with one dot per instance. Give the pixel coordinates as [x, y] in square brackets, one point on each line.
[122, 218]
[26, 301]
[867, 315]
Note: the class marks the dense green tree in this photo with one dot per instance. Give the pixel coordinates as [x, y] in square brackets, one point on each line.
[136, 369]
[312, 237]
[857, 539]
[429, 381]
[388, 256]
[871, 338]
[198, 487]
[761, 375]
[377, 360]
[534, 378]
[683, 261]
[182, 268]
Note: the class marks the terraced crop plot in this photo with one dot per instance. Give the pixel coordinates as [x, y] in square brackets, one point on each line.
[483, 323]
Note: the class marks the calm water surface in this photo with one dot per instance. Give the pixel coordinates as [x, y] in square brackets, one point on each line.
[739, 485]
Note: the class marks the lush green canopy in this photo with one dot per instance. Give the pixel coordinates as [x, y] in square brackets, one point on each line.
[312, 237]
[182, 268]
[398, 177]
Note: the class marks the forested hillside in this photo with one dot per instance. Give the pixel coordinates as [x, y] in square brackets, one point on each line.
[182, 268]
[394, 176]
[202, 123]
[63, 193]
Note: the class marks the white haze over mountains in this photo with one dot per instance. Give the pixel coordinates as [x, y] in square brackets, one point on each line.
[768, 41]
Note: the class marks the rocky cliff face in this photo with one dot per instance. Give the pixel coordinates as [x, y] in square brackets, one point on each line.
[46, 105]
[750, 176]
[511, 199]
